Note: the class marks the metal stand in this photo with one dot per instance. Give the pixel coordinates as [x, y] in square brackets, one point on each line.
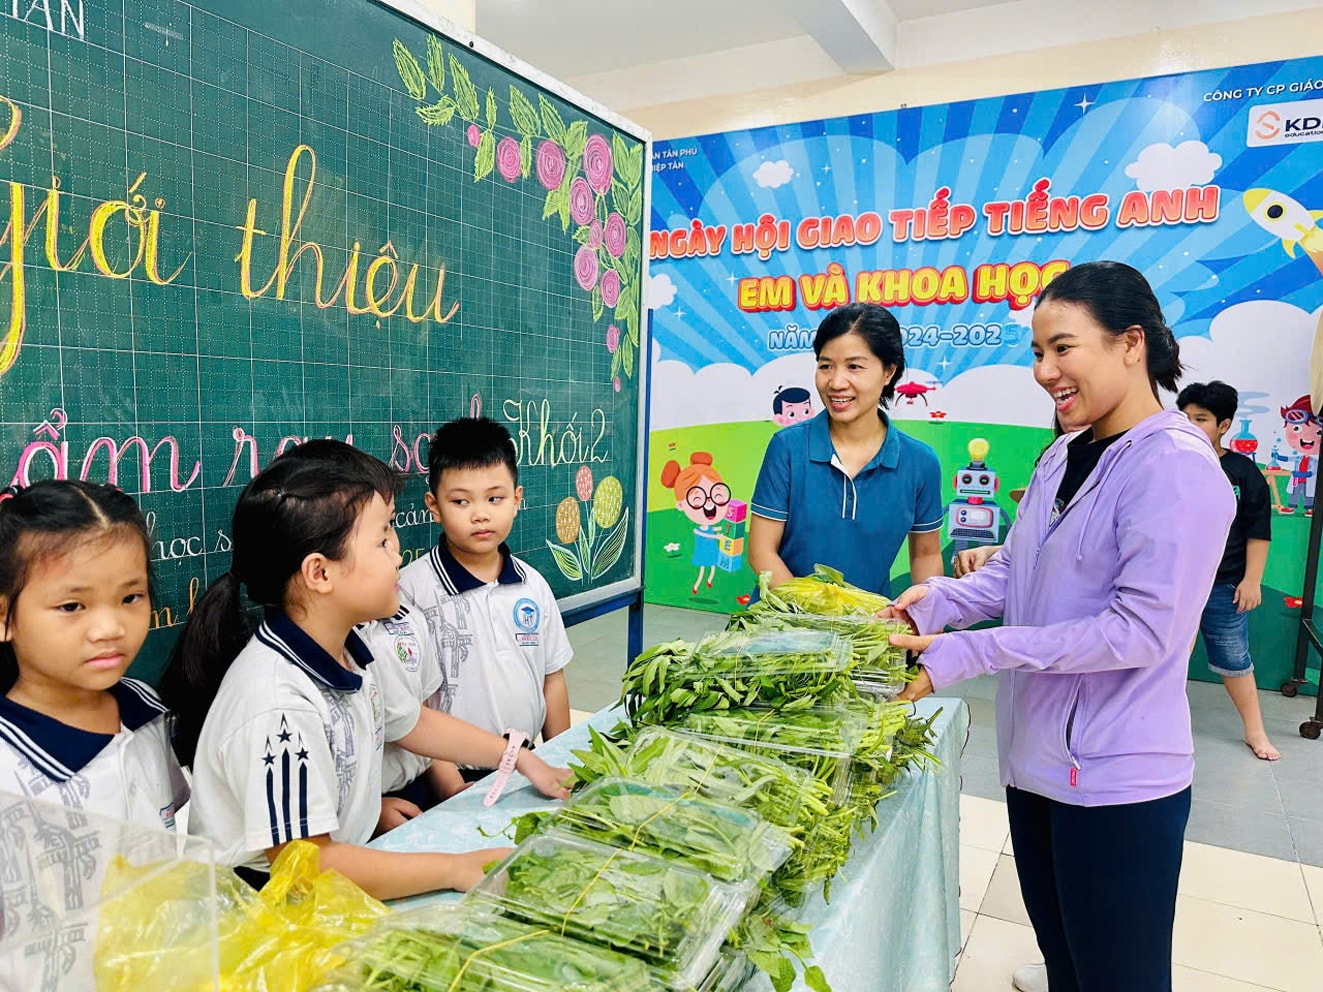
[1308, 635]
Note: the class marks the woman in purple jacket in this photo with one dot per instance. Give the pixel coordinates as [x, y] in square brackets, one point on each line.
[1100, 586]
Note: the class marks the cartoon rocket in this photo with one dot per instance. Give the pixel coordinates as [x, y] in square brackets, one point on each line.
[1284, 218]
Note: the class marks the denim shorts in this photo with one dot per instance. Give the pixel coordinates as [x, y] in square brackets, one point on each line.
[1226, 633]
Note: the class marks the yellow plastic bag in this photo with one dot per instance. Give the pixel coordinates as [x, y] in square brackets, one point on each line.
[158, 935]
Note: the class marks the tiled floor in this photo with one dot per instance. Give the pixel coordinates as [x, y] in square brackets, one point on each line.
[1251, 898]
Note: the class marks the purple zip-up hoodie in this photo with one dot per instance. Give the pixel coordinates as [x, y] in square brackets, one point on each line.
[1101, 607]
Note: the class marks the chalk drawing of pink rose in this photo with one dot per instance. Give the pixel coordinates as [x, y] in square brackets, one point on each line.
[585, 267]
[474, 135]
[595, 234]
[581, 200]
[508, 159]
[615, 234]
[583, 483]
[610, 287]
[550, 165]
[616, 383]
[612, 338]
[597, 163]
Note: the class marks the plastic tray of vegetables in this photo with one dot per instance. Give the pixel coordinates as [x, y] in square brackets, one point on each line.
[672, 917]
[825, 592]
[777, 669]
[875, 661]
[463, 949]
[825, 750]
[780, 793]
[729, 842]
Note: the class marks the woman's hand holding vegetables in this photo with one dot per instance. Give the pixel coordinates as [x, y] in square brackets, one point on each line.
[548, 780]
[922, 685]
[899, 608]
[915, 643]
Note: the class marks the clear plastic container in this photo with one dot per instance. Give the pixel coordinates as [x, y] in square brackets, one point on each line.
[730, 842]
[671, 917]
[70, 876]
[781, 793]
[835, 727]
[464, 949]
[873, 658]
[729, 974]
[762, 652]
[761, 733]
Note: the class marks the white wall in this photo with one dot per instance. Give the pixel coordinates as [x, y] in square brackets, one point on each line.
[1258, 39]
[462, 12]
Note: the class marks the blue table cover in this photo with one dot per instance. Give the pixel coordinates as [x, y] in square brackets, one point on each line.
[893, 923]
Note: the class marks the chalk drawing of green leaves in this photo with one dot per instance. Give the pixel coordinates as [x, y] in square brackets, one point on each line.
[436, 64]
[486, 157]
[523, 113]
[466, 94]
[411, 73]
[609, 551]
[557, 152]
[567, 561]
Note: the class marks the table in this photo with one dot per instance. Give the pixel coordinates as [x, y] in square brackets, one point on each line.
[893, 923]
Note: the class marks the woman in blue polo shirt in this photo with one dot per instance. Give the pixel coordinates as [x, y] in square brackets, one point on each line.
[846, 488]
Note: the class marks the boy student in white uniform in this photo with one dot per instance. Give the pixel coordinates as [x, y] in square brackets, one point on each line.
[406, 659]
[492, 617]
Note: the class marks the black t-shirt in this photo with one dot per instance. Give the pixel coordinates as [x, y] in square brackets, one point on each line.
[1253, 520]
[1082, 456]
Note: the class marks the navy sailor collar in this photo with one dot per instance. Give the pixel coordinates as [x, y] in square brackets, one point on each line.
[283, 635]
[60, 751]
[456, 579]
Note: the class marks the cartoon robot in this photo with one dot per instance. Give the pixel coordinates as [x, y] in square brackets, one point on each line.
[973, 518]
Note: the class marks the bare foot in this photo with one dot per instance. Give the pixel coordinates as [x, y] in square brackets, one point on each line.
[1262, 747]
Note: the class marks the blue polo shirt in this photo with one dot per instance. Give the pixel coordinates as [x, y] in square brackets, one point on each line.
[854, 525]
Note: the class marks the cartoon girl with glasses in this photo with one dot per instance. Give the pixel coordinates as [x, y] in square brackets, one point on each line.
[702, 496]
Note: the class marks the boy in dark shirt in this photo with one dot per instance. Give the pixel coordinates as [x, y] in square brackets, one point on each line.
[1236, 590]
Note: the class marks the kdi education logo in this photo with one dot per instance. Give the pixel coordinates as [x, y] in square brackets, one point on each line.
[1285, 123]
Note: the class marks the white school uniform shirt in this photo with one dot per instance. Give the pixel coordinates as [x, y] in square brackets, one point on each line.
[132, 775]
[291, 747]
[497, 641]
[404, 652]
[54, 858]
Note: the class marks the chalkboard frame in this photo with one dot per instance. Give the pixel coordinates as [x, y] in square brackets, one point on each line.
[624, 593]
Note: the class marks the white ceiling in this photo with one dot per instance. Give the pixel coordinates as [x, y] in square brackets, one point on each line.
[639, 53]
[570, 38]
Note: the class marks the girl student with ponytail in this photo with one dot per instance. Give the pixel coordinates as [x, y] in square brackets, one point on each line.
[284, 725]
[1101, 585]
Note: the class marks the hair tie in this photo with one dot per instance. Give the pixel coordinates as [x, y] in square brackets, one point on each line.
[12, 490]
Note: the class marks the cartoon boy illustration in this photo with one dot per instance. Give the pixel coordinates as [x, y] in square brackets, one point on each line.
[791, 406]
[702, 496]
[1303, 431]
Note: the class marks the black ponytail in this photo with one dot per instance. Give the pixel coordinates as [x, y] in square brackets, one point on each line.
[216, 632]
[49, 519]
[305, 502]
[1118, 297]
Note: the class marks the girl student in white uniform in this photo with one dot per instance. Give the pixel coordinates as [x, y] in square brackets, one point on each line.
[74, 732]
[285, 725]
[74, 611]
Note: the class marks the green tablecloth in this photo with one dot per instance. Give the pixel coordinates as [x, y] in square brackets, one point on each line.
[893, 923]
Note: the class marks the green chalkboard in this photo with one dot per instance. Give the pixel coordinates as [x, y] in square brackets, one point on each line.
[233, 225]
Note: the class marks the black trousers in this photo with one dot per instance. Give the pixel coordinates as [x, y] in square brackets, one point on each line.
[1099, 884]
